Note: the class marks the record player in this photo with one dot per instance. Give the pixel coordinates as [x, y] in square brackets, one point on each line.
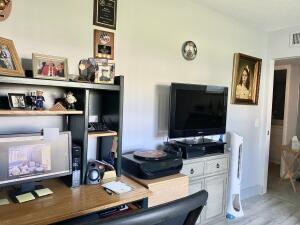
[152, 164]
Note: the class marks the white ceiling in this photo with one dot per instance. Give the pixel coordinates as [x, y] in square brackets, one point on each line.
[264, 14]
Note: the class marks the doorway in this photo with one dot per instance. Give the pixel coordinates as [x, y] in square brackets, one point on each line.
[277, 122]
[284, 120]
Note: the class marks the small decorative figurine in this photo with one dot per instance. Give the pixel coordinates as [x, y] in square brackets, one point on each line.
[70, 100]
[31, 100]
[39, 101]
[87, 69]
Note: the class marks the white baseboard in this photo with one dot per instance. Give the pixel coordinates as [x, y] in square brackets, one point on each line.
[251, 192]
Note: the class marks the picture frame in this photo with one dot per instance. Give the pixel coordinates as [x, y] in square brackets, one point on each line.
[105, 13]
[103, 44]
[10, 64]
[17, 101]
[49, 67]
[245, 79]
[105, 73]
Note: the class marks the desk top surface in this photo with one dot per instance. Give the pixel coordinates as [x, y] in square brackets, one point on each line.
[68, 203]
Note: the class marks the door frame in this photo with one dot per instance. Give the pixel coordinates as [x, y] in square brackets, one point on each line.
[268, 111]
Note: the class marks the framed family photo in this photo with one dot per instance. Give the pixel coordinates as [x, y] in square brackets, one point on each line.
[105, 73]
[245, 79]
[10, 64]
[17, 101]
[49, 67]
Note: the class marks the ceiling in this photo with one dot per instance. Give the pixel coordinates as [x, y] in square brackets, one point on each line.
[264, 14]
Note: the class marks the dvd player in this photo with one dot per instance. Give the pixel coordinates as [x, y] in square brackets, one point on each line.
[193, 150]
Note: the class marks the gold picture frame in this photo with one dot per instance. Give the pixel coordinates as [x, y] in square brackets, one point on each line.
[10, 64]
[105, 73]
[245, 79]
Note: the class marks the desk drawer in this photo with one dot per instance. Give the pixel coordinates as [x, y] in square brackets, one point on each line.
[216, 165]
[193, 169]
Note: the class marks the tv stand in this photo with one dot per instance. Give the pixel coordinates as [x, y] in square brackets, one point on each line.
[195, 148]
[196, 141]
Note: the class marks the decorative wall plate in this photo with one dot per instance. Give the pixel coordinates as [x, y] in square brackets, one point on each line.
[5, 9]
[189, 50]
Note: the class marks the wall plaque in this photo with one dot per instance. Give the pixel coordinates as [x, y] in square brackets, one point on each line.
[103, 44]
[105, 13]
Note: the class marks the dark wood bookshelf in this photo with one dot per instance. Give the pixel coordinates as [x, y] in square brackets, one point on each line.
[102, 100]
[56, 83]
[38, 112]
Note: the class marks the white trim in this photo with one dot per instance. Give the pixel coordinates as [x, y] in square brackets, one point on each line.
[269, 100]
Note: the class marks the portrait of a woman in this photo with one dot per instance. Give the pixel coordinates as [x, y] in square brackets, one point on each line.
[243, 88]
[245, 79]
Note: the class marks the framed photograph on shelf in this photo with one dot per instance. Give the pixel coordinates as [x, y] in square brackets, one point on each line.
[49, 67]
[10, 64]
[105, 73]
[17, 101]
[105, 13]
[245, 79]
[103, 44]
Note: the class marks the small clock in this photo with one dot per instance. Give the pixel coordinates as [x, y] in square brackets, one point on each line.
[189, 50]
[5, 9]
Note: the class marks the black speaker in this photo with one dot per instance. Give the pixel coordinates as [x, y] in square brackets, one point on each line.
[74, 179]
[95, 172]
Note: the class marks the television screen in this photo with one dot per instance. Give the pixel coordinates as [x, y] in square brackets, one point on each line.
[197, 110]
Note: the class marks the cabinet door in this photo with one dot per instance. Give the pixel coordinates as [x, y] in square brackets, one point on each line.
[217, 189]
[195, 186]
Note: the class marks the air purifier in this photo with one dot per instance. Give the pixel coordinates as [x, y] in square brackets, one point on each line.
[234, 207]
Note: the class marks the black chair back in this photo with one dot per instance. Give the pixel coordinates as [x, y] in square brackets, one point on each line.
[184, 211]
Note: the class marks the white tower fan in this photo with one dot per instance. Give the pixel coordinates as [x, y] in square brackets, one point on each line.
[234, 207]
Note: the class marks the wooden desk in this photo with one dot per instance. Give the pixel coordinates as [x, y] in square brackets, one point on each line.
[67, 203]
[291, 165]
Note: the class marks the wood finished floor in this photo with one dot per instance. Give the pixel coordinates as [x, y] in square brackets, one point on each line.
[279, 206]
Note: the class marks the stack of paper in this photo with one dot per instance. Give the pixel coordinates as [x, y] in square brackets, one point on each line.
[117, 187]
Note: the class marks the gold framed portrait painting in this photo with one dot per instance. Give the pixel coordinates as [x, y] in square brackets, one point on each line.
[10, 64]
[245, 79]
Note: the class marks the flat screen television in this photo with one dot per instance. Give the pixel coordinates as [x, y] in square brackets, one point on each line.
[197, 110]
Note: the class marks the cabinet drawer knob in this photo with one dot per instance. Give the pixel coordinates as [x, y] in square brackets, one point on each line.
[192, 171]
[218, 166]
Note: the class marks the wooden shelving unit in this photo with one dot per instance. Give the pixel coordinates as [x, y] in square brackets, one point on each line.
[109, 133]
[56, 83]
[38, 113]
[102, 100]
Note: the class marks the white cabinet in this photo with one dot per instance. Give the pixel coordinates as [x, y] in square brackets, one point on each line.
[217, 188]
[209, 173]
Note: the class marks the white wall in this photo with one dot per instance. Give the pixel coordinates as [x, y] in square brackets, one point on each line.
[148, 53]
[279, 44]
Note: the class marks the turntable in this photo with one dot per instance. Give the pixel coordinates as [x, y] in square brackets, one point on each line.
[152, 164]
